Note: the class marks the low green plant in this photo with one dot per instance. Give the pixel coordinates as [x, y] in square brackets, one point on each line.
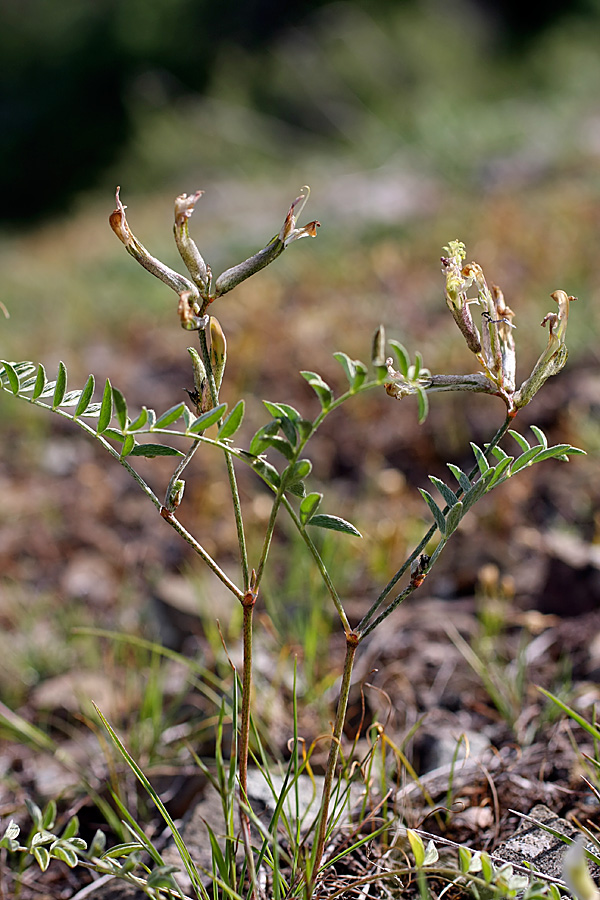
[276, 453]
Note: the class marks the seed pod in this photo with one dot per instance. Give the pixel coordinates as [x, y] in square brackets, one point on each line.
[378, 348]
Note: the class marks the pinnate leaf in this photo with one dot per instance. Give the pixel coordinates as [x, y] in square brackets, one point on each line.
[499, 453]
[297, 488]
[262, 439]
[526, 459]
[65, 853]
[355, 370]
[477, 490]
[299, 470]
[268, 472]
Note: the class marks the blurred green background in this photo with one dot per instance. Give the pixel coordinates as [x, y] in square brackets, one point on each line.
[414, 123]
[189, 88]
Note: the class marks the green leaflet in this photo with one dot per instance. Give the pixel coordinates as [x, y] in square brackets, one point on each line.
[40, 382]
[120, 405]
[334, 523]
[309, 506]
[437, 513]
[11, 376]
[170, 416]
[60, 387]
[453, 518]
[355, 370]
[448, 495]
[402, 357]
[105, 408]
[232, 422]
[207, 419]
[320, 387]
[86, 397]
[152, 450]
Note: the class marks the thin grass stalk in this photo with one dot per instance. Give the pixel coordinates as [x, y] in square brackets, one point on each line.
[340, 718]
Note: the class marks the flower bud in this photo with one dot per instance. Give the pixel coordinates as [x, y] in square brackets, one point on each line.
[201, 395]
[378, 348]
[174, 495]
[458, 281]
[218, 351]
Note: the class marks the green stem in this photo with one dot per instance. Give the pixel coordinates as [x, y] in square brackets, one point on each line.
[92, 431]
[279, 496]
[363, 626]
[239, 522]
[320, 565]
[340, 717]
[268, 536]
[248, 603]
[235, 494]
[180, 468]
[206, 557]
[401, 597]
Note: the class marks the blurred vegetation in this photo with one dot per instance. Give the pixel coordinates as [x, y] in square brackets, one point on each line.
[188, 86]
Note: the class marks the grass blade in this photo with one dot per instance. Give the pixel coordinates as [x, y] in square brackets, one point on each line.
[186, 858]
